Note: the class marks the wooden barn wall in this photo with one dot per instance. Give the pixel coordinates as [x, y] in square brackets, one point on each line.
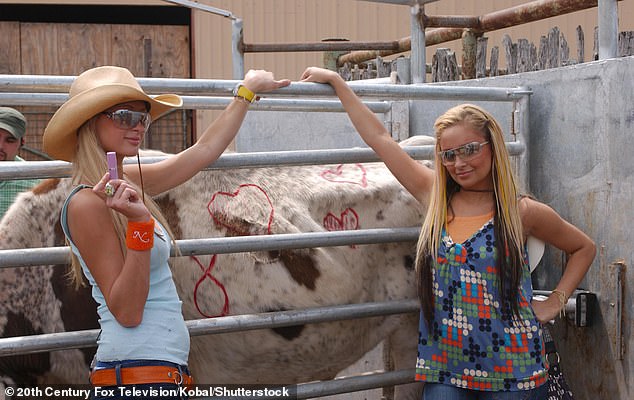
[69, 49]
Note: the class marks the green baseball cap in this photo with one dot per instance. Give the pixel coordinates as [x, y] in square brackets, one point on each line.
[12, 121]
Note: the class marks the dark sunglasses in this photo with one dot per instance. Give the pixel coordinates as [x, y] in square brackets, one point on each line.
[128, 119]
[466, 152]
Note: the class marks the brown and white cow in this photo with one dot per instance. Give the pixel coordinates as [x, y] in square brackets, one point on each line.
[221, 203]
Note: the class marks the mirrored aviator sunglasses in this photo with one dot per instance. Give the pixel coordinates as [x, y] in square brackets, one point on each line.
[128, 119]
[465, 152]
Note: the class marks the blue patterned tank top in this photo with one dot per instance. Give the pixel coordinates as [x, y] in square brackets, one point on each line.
[474, 342]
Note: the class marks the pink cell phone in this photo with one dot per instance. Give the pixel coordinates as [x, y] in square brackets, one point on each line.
[111, 157]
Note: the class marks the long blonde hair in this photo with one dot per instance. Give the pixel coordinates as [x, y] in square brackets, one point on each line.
[507, 222]
[89, 166]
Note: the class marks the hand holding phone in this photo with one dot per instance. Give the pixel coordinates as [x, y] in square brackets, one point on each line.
[111, 158]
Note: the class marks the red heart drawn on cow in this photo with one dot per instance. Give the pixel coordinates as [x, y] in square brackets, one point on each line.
[246, 211]
[347, 173]
[349, 221]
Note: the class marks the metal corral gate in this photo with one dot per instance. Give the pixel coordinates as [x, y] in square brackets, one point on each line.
[39, 90]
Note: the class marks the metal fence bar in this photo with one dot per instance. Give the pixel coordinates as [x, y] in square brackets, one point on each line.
[522, 130]
[62, 169]
[411, 92]
[225, 245]
[204, 7]
[281, 319]
[354, 383]
[317, 46]
[417, 44]
[237, 55]
[233, 323]
[56, 84]
[347, 384]
[205, 103]
[608, 29]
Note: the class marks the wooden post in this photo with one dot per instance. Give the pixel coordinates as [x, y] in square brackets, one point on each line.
[444, 66]
[494, 65]
[580, 44]
[510, 50]
[469, 52]
[553, 60]
[481, 57]
[383, 68]
[564, 51]
[525, 60]
[626, 43]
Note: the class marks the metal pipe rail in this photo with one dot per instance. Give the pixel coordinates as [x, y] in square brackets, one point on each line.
[205, 103]
[349, 384]
[55, 84]
[233, 323]
[354, 383]
[62, 169]
[317, 46]
[237, 244]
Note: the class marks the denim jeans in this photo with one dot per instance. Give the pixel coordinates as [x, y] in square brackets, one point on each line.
[153, 391]
[439, 391]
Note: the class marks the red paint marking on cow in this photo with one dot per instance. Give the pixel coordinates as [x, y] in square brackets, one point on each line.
[216, 208]
[346, 173]
[349, 221]
[214, 211]
[207, 275]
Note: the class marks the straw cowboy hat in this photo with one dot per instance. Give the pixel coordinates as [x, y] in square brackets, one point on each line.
[92, 92]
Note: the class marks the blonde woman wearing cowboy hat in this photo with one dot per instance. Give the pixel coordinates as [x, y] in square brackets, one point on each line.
[118, 236]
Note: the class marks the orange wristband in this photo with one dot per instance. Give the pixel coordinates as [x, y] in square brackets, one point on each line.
[140, 235]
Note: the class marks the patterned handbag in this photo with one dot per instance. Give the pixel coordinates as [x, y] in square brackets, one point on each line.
[558, 388]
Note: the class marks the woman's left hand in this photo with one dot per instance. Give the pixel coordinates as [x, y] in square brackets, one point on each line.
[319, 75]
[546, 310]
[261, 81]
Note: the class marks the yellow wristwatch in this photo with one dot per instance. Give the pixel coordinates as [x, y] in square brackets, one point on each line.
[243, 92]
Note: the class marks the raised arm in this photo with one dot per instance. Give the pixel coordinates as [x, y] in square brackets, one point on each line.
[414, 176]
[173, 171]
[544, 223]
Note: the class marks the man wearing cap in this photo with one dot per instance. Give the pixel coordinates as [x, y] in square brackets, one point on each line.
[12, 129]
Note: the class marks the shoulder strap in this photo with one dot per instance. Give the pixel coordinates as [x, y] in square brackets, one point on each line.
[64, 215]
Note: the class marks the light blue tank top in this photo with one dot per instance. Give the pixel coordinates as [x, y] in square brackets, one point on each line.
[162, 334]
